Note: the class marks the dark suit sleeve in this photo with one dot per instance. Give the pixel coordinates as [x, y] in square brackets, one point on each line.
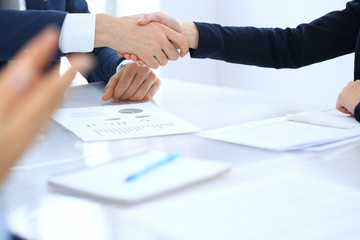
[17, 27]
[357, 112]
[327, 37]
[107, 59]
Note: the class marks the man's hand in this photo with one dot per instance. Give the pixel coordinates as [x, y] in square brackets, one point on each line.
[133, 82]
[349, 98]
[29, 94]
[185, 28]
[154, 43]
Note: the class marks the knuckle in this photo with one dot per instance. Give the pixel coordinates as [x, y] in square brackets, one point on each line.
[341, 95]
[162, 39]
[116, 95]
[151, 74]
[147, 97]
[175, 57]
[147, 54]
[183, 41]
[139, 95]
[130, 92]
[155, 66]
[163, 63]
[131, 65]
[144, 70]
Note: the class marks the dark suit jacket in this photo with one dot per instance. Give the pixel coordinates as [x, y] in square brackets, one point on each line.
[330, 36]
[17, 27]
[327, 37]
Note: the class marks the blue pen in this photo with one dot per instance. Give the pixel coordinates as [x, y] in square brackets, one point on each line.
[167, 159]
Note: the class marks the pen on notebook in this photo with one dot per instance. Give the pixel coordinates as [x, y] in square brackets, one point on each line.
[161, 162]
[318, 121]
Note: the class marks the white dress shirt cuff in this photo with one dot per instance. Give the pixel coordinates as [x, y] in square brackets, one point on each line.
[123, 63]
[78, 33]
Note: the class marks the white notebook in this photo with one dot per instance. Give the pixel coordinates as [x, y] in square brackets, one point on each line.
[331, 118]
[108, 182]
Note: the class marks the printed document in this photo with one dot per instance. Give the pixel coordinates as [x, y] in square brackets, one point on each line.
[283, 135]
[121, 122]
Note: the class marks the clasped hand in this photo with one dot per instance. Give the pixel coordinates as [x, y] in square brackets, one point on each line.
[154, 43]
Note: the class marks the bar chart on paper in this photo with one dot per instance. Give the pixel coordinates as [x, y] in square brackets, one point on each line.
[121, 122]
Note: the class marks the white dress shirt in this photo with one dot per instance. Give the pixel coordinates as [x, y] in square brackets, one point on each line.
[77, 33]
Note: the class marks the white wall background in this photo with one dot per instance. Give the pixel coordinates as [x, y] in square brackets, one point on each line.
[319, 82]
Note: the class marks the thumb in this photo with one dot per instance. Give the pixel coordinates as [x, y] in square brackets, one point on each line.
[162, 18]
[146, 19]
[108, 93]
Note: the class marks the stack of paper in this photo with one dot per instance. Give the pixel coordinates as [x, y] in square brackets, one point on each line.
[108, 181]
[284, 135]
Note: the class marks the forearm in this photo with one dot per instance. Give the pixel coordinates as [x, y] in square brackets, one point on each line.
[328, 37]
[110, 31]
[78, 35]
[102, 33]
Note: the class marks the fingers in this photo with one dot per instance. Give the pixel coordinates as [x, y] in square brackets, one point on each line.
[140, 77]
[131, 57]
[171, 22]
[141, 62]
[124, 78]
[110, 86]
[177, 40]
[144, 88]
[170, 52]
[83, 63]
[162, 18]
[36, 102]
[341, 108]
[155, 44]
[148, 18]
[132, 82]
[44, 98]
[162, 57]
[348, 98]
[151, 60]
[147, 90]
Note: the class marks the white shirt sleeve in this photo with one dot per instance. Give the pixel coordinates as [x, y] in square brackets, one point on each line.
[78, 33]
[123, 63]
[22, 5]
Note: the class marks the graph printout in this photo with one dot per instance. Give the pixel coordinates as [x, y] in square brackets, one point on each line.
[121, 122]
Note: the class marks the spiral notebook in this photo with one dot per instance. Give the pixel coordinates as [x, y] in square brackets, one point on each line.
[108, 182]
[331, 118]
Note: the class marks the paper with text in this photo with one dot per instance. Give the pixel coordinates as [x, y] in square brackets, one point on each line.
[281, 134]
[121, 122]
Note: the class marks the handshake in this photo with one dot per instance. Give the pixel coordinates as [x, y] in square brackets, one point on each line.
[149, 39]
